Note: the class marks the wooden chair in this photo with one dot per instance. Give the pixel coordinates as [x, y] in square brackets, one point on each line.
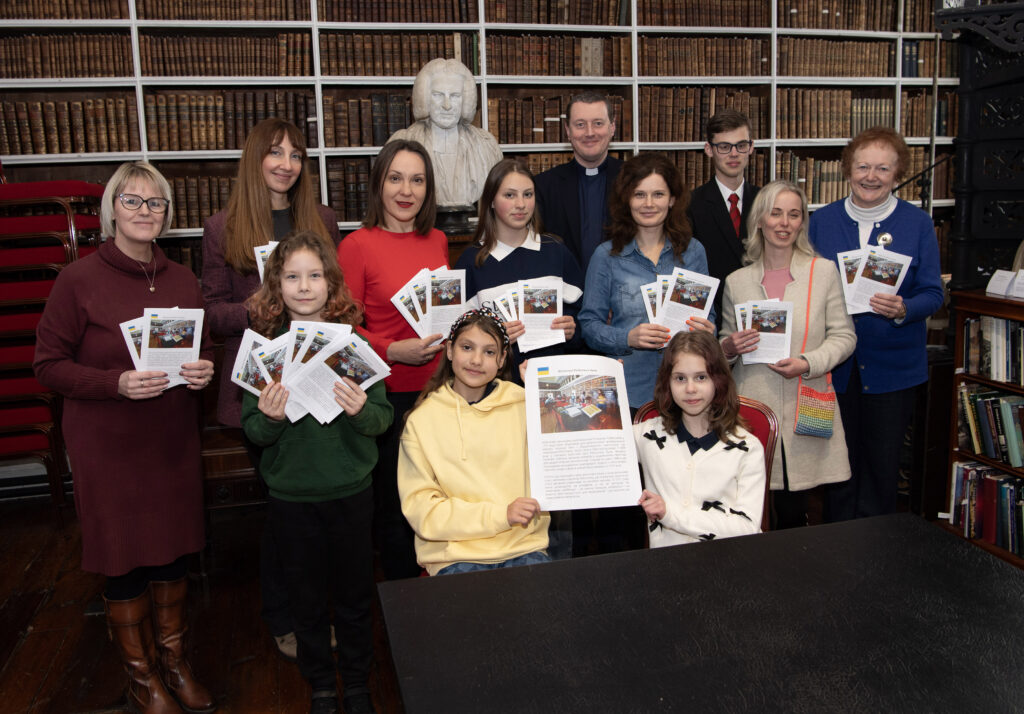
[762, 423]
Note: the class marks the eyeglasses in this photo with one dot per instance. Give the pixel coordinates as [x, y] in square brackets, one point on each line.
[133, 203]
[724, 147]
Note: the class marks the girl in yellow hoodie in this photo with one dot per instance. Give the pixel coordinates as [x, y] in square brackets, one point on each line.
[463, 472]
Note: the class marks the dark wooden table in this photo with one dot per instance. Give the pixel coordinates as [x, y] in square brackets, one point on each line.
[880, 614]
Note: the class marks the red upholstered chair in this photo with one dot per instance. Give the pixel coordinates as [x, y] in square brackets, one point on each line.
[43, 227]
[762, 423]
[34, 211]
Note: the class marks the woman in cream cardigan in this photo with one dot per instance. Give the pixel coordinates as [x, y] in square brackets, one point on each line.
[779, 259]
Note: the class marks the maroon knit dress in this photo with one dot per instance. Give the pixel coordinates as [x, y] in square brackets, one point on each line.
[135, 464]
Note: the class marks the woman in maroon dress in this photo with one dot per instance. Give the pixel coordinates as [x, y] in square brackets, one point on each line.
[133, 447]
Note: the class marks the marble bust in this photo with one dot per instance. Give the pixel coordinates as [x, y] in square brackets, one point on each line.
[443, 105]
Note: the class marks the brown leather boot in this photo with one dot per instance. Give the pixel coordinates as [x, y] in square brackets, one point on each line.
[131, 629]
[169, 611]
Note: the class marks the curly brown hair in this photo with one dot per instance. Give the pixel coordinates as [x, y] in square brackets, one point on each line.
[267, 314]
[724, 410]
[877, 135]
[622, 228]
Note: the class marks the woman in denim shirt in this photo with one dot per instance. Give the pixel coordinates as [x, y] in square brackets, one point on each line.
[649, 236]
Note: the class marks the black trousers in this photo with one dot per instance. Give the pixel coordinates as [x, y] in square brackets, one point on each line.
[327, 556]
[392, 532]
[273, 585]
[875, 426]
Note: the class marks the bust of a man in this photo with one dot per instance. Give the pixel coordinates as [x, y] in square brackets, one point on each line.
[444, 104]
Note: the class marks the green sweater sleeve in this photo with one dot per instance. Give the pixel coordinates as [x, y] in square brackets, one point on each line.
[376, 415]
[260, 430]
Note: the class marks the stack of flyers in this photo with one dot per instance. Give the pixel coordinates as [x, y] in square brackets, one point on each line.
[536, 303]
[773, 321]
[868, 271]
[163, 339]
[432, 300]
[673, 299]
[262, 253]
[308, 360]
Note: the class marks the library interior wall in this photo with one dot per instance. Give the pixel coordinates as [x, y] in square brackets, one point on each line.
[150, 80]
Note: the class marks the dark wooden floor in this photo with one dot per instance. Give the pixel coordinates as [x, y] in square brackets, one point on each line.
[55, 657]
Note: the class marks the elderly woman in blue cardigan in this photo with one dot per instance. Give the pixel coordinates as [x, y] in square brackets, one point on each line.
[877, 386]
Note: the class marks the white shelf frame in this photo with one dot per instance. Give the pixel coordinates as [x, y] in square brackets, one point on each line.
[138, 83]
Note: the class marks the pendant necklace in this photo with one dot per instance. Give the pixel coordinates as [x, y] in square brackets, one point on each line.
[151, 281]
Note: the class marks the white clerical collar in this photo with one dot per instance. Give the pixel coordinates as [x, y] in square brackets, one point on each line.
[500, 251]
[726, 192]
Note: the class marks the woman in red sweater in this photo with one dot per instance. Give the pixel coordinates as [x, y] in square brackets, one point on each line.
[133, 443]
[396, 241]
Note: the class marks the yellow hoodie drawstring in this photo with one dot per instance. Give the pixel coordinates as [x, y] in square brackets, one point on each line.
[458, 418]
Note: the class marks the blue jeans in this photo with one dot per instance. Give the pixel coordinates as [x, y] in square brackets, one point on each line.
[533, 558]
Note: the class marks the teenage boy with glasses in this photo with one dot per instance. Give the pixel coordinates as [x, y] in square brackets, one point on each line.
[718, 209]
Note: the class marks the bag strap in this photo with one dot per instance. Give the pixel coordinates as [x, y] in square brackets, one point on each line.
[807, 325]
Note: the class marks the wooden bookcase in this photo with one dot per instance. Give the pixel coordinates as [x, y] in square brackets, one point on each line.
[968, 304]
[670, 62]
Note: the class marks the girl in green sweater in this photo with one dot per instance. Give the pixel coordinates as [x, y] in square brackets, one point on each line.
[320, 506]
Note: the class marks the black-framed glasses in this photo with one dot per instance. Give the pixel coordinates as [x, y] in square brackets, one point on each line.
[724, 147]
[157, 204]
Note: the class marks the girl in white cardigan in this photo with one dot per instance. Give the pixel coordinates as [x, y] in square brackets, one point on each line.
[703, 470]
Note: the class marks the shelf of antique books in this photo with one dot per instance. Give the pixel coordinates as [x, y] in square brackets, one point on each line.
[821, 113]
[683, 112]
[878, 16]
[741, 13]
[533, 115]
[81, 121]
[812, 56]
[347, 180]
[349, 11]
[183, 118]
[363, 117]
[224, 52]
[565, 54]
[50, 10]
[394, 54]
[33, 55]
[564, 12]
[277, 10]
[918, 107]
[685, 55]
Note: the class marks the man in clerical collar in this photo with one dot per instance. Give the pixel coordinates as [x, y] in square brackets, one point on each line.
[573, 198]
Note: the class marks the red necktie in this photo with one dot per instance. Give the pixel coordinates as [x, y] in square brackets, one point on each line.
[734, 212]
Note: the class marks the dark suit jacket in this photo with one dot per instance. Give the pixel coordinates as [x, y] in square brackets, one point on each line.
[709, 217]
[558, 199]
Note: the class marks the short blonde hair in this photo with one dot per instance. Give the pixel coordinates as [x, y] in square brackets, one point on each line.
[763, 204]
[127, 172]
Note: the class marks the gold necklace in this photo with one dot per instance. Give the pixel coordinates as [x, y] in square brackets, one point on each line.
[151, 281]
